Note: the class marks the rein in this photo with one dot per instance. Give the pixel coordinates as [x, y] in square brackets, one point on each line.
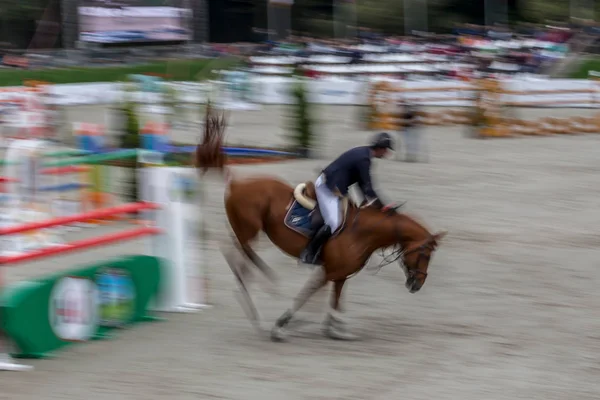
[395, 255]
[398, 253]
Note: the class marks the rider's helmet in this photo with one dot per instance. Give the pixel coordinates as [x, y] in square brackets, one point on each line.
[382, 140]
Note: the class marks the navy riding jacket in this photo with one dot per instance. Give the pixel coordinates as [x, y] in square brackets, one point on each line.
[351, 167]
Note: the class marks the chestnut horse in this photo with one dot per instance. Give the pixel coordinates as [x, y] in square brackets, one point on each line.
[269, 205]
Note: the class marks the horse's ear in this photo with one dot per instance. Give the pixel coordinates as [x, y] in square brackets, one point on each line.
[440, 235]
[399, 206]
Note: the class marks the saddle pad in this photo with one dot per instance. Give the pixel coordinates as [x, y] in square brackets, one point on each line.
[299, 219]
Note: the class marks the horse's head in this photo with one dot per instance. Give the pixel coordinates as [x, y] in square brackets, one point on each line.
[413, 244]
[415, 258]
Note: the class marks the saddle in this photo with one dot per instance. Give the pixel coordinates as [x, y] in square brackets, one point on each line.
[306, 195]
[304, 215]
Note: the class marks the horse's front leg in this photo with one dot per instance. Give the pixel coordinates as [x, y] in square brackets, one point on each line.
[316, 281]
[334, 326]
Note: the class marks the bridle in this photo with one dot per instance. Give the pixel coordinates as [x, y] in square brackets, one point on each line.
[398, 253]
[428, 245]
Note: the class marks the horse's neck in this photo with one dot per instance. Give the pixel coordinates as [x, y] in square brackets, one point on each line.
[389, 231]
[411, 230]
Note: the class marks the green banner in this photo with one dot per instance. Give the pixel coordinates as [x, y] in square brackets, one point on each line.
[51, 312]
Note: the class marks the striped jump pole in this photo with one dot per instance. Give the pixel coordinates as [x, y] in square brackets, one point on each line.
[95, 192]
[82, 244]
[59, 184]
[69, 185]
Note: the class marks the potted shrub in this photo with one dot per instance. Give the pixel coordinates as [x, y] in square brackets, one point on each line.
[131, 139]
[301, 120]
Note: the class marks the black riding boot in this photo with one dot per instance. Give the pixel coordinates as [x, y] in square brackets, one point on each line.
[311, 253]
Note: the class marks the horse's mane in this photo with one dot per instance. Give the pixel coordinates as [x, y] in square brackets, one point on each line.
[401, 216]
[416, 223]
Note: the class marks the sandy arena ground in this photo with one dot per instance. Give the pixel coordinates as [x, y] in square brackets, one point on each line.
[510, 310]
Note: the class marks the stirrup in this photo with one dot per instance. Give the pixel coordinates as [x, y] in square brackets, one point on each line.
[308, 257]
[303, 258]
[305, 254]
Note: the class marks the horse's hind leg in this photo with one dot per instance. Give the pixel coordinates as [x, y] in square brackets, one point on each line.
[260, 263]
[317, 280]
[246, 227]
[235, 257]
[241, 273]
[273, 287]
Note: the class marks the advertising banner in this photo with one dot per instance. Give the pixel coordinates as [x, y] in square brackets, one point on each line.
[116, 296]
[73, 309]
[133, 21]
[253, 90]
[46, 314]
[237, 91]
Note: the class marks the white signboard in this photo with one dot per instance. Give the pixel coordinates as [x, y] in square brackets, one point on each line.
[73, 310]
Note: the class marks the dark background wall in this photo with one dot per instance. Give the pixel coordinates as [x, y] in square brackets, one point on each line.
[234, 20]
[226, 21]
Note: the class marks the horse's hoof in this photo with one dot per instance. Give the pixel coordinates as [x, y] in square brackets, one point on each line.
[336, 333]
[335, 328]
[278, 334]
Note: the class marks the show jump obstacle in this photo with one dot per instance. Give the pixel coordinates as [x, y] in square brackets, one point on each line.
[487, 105]
[40, 316]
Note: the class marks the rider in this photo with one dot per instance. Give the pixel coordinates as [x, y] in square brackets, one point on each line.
[351, 167]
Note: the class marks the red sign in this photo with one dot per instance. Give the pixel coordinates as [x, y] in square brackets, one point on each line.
[15, 61]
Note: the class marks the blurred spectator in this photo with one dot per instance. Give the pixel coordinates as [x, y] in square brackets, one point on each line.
[410, 132]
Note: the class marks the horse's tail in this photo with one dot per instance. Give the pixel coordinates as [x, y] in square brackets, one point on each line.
[209, 152]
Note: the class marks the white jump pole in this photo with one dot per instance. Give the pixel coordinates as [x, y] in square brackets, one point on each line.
[183, 289]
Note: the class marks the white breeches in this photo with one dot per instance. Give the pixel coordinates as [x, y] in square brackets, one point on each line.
[329, 204]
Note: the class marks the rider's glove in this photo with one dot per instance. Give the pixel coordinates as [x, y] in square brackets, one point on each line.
[376, 203]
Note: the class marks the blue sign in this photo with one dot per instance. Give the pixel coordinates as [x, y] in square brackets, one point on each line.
[116, 297]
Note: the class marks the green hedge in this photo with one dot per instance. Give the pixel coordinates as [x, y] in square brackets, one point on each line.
[189, 70]
[586, 66]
